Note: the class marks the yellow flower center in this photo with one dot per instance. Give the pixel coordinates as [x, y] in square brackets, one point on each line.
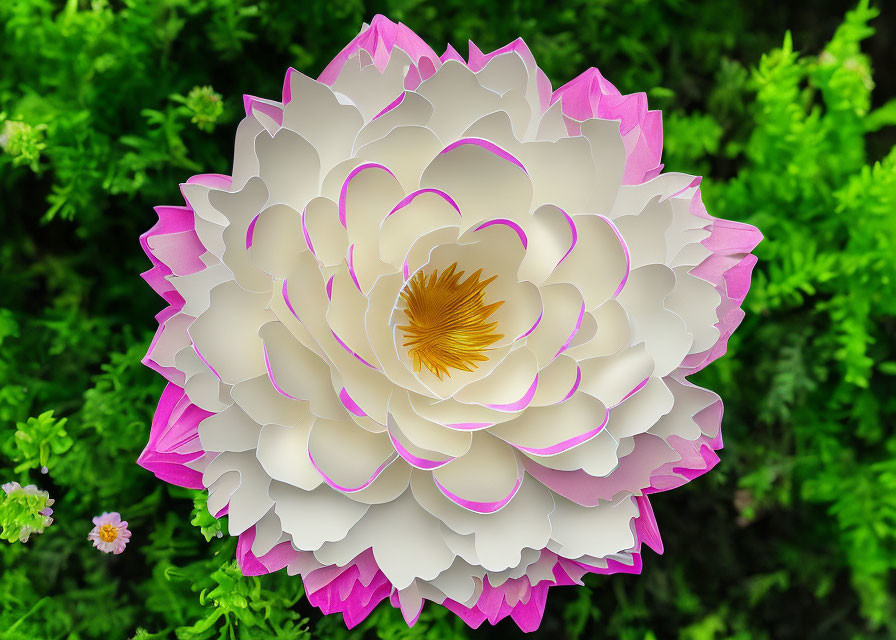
[108, 532]
[448, 324]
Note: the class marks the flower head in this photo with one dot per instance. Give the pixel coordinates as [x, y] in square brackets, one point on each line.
[430, 340]
[24, 511]
[22, 141]
[110, 533]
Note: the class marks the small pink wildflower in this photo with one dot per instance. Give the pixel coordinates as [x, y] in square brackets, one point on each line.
[111, 534]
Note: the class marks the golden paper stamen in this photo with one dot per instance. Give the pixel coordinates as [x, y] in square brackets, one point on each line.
[448, 321]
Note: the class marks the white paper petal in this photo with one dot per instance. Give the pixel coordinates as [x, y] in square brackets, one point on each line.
[563, 174]
[608, 151]
[240, 208]
[504, 73]
[597, 265]
[418, 214]
[405, 150]
[501, 537]
[412, 109]
[229, 430]
[663, 331]
[551, 126]
[220, 489]
[245, 162]
[424, 434]
[611, 378]
[689, 401]
[645, 233]
[451, 113]
[564, 310]
[345, 316]
[315, 517]
[387, 486]
[642, 410]
[406, 541]
[633, 198]
[554, 429]
[381, 302]
[611, 332]
[369, 89]
[595, 531]
[298, 373]
[485, 479]
[283, 452]
[328, 239]
[316, 115]
[268, 533]
[277, 240]
[290, 168]
[206, 391]
[495, 127]
[457, 415]
[226, 335]
[596, 457]
[171, 338]
[250, 500]
[696, 302]
[557, 382]
[348, 457]
[484, 184]
[195, 288]
[264, 405]
[510, 387]
[551, 236]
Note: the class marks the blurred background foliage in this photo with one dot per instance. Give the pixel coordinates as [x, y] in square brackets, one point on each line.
[106, 106]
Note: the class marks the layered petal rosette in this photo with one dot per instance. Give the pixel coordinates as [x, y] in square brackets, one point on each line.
[430, 340]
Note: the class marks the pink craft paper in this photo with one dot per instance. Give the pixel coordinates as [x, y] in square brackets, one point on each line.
[174, 427]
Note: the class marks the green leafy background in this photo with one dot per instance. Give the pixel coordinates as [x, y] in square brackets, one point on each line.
[106, 106]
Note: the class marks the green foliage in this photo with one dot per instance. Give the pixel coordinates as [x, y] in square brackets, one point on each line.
[241, 604]
[37, 442]
[209, 526]
[826, 295]
[105, 107]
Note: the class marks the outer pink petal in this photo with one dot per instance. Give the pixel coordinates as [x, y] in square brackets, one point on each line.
[477, 60]
[172, 246]
[274, 560]
[451, 54]
[174, 440]
[162, 317]
[176, 222]
[729, 268]
[590, 95]
[529, 601]
[378, 40]
[355, 589]
[268, 107]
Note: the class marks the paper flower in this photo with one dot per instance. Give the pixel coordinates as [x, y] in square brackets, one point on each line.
[25, 510]
[430, 340]
[110, 533]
